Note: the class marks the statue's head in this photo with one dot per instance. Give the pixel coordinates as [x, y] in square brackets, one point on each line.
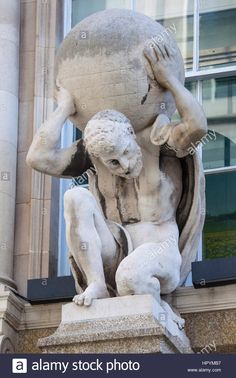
[109, 136]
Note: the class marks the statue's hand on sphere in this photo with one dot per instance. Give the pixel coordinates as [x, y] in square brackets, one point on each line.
[161, 59]
[65, 100]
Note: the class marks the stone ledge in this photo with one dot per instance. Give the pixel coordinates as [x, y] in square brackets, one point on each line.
[187, 300]
[190, 300]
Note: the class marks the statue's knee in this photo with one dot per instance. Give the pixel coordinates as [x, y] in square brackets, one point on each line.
[74, 197]
[127, 279]
[171, 283]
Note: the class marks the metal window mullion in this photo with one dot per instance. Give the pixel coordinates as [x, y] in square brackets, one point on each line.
[199, 98]
[133, 5]
[67, 16]
[211, 73]
[196, 34]
[199, 91]
[199, 83]
[213, 171]
[66, 140]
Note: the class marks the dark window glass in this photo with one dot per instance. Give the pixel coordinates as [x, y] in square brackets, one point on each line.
[219, 237]
[217, 34]
[219, 102]
[83, 8]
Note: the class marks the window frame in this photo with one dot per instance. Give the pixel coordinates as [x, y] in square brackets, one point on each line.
[199, 75]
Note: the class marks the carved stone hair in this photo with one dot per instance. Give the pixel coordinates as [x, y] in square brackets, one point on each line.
[105, 131]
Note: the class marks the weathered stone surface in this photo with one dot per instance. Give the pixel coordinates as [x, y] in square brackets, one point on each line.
[212, 331]
[101, 64]
[28, 339]
[118, 325]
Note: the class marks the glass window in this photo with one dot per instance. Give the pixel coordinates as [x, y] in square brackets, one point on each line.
[178, 14]
[219, 151]
[192, 87]
[83, 8]
[217, 33]
[219, 102]
[219, 238]
[126, 4]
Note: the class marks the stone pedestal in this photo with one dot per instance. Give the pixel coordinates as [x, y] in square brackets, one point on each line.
[132, 324]
[11, 309]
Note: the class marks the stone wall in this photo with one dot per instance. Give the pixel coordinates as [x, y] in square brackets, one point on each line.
[204, 329]
[40, 32]
[27, 341]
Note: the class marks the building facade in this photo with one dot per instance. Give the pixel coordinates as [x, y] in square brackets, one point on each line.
[32, 238]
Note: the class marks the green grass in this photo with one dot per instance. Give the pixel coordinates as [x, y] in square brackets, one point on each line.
[219, 239]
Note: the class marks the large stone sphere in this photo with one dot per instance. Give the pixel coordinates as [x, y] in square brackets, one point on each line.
[101, 63]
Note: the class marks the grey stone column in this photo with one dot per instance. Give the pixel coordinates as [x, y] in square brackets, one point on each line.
[9, 85]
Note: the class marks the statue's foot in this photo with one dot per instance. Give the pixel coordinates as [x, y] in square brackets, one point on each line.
[178, 320]
[95, 290]
[175, 317]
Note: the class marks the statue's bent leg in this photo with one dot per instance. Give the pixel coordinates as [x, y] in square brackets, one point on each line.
[90, 242]
[149, 270]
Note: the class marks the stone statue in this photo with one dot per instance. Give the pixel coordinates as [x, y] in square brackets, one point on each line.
[136, 230]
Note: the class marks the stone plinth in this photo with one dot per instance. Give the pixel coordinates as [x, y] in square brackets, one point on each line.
[131, 324]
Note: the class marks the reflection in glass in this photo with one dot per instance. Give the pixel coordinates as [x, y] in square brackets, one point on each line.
[176, 14]
[192, 87]
[219, 102]
[168, 12]
[219, 238]
[217, 33]
[83, 8]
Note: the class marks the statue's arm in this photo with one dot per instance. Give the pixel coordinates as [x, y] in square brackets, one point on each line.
[44, 154]
[193, 125]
